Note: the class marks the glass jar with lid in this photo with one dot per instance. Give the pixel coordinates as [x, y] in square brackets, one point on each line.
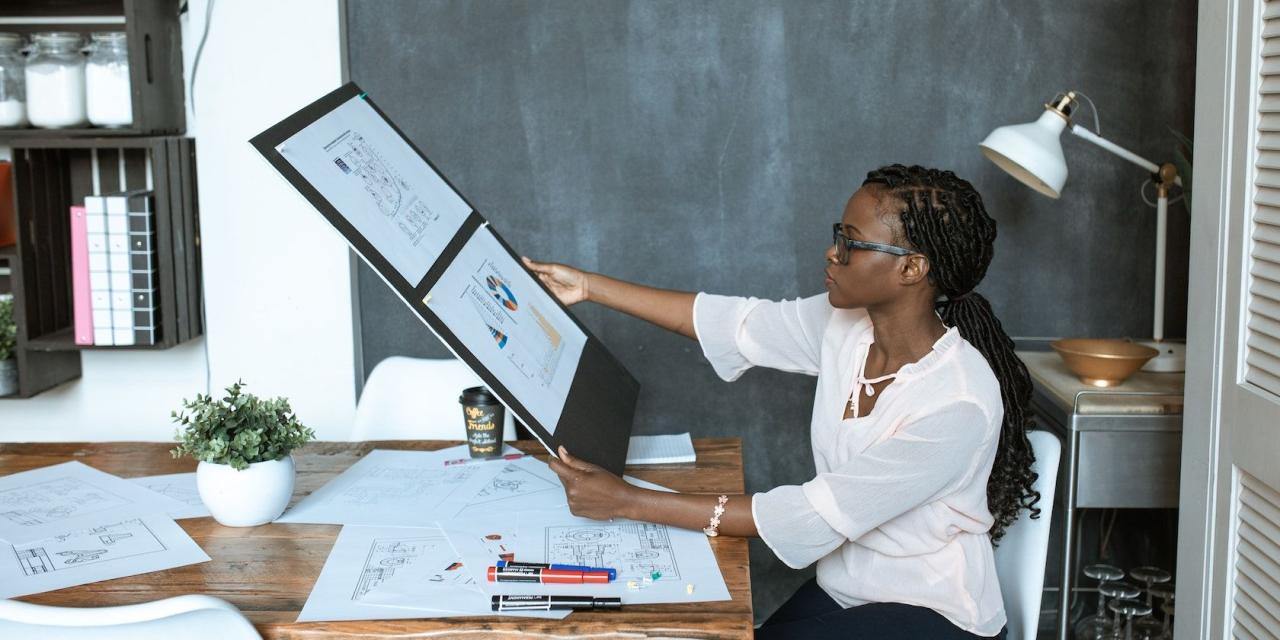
[107, 80]
[55, 80]
[13, 90]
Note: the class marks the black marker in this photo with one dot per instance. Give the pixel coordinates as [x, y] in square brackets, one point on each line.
[547, 603]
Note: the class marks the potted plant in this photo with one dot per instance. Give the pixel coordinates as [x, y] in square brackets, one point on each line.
[8, 339]
[245, 476]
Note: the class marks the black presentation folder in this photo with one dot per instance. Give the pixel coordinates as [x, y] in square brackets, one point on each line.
[595, 421]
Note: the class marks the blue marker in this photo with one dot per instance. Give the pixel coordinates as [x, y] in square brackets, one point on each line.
[613, 573]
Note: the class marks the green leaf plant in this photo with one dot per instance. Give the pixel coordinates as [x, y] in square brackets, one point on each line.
[8, 328]
[238, 430]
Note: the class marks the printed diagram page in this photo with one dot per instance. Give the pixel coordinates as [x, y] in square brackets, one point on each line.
[511, 325]
[636, 549]
[506, 487]
[115, 549]
[385, 487]
[384, 573]
[180, 487]
[375, 180]
[51, 500]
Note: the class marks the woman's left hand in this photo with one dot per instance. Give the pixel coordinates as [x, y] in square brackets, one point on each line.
[592, 491]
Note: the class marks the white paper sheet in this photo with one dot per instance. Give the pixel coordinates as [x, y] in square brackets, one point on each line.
[386, 487]
[48, 501]
[383, 573]
[180, 487]
[664, 449]
[111, 549]
[635, 549]
[367, 171]
[513, 327]
[505, 488]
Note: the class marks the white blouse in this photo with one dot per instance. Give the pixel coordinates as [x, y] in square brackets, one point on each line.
[898, 511]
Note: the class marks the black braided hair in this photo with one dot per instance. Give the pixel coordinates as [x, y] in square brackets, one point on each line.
[943, 217]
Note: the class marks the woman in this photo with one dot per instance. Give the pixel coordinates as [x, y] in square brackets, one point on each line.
[917, 428]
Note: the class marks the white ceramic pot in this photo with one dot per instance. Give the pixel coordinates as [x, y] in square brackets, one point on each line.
[247, 498]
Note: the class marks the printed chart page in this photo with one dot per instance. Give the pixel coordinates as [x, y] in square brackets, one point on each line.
[180, 487]
[370, 174]
[111, 549]
[389, 573]
[511, 324]
[50, 500]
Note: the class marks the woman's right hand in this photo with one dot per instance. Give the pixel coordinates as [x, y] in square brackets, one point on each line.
[569, 284]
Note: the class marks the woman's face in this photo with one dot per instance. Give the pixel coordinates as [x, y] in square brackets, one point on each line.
[869, 277]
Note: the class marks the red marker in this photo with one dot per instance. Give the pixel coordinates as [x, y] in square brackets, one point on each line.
[509, 456]
[546, 576]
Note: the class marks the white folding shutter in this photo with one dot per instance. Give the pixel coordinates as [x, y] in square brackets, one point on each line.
[1262, 349]
[1255, 611]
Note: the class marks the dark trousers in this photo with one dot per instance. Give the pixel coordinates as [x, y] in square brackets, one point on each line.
[811, 613]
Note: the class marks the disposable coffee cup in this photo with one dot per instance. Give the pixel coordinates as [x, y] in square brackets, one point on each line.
[484, 417]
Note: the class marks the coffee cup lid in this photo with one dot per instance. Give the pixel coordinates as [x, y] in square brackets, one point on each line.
[477, 395]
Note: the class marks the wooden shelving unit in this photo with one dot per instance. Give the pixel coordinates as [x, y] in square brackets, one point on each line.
[54, 169]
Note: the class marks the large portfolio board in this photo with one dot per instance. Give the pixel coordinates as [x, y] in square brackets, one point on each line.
[449, 265]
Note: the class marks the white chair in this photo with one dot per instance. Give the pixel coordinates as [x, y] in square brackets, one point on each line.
[1024, 549]
[417, 399]
[191, 617]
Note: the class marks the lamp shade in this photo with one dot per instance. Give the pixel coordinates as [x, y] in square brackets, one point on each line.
[1031, 152]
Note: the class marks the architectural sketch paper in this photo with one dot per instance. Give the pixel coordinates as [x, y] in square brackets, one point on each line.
[514, 328]
[371, 175]
[366, 561]
[114, 548]
[386, 487]
[635, 549]
[48, 501]
[180, 487]
[506, 487]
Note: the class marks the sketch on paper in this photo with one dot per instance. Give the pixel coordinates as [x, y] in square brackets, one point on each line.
[82, 547]
[375, 180]
[390, 484]
[506, 487]
[387, 189]
[429, 559]
[54, 500]
[633, 548]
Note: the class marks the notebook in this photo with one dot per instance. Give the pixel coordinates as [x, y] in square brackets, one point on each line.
[665, 449]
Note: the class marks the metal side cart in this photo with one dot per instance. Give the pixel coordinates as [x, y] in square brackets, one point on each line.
[1122, 449]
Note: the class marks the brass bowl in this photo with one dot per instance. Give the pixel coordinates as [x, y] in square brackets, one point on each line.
[1100, 362]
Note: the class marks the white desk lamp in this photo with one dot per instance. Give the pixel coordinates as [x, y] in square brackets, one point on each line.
[1032, 153]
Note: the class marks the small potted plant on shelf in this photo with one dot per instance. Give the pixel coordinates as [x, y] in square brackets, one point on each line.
[8, 340]
[245, 476]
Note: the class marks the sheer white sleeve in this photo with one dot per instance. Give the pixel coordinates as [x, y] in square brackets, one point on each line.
[739, 333]
[792, 528]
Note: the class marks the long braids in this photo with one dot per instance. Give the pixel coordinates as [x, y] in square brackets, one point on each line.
[943, 217]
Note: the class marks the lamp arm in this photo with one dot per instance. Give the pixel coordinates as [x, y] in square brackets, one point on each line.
[1151, 167]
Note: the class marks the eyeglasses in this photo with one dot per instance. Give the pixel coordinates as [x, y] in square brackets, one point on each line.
[844, 244]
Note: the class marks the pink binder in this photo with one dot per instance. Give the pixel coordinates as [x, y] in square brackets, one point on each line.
[81, 303]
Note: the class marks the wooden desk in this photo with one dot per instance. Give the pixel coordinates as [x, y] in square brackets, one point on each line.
[268, 571]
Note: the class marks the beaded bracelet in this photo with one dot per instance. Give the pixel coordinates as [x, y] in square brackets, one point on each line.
[714, 529]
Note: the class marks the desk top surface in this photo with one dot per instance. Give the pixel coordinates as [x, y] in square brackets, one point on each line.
[268, 571]
[1143, 393]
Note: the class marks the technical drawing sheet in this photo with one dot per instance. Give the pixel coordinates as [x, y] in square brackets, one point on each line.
[383, 573]
[507, 487]
[516, 330]
[180, 487]
[358, 162]
[388, 487]
[51, 500]
[114, 548]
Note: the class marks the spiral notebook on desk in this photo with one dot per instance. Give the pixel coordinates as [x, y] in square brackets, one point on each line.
[665, 449]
